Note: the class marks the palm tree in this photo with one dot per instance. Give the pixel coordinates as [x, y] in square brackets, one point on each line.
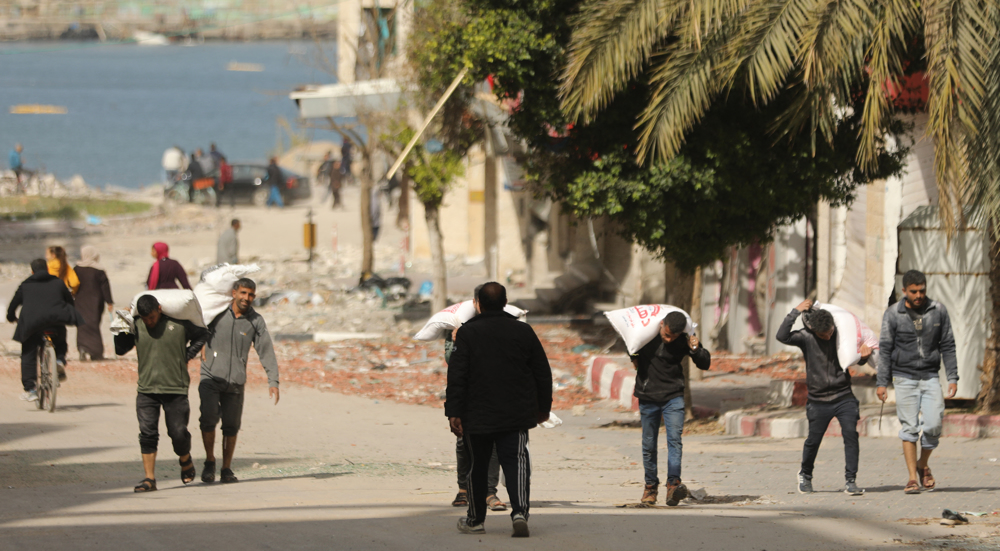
[694, 52]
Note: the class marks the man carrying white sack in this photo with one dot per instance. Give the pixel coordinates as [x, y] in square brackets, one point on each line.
[659, 386]
[224, 374]
[830, 393]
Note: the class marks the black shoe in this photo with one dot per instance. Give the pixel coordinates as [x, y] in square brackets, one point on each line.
[852, 489]
[227, 477]
[208, 472]
[805, 484]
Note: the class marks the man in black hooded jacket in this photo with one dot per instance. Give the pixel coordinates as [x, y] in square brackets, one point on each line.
[46, 304]
[499, 387]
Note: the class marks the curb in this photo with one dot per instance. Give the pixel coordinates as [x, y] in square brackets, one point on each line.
[613, 377]
[793, 424]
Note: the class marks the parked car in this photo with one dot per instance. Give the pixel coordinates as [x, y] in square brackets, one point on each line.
[250, 184]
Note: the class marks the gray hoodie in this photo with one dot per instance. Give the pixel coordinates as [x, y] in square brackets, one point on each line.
[228, 348]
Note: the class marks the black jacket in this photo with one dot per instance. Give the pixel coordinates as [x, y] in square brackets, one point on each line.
[659, 375]
[498, 378]
[825, 379]
[45, 302]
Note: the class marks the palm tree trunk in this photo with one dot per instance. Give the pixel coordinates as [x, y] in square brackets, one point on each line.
[989, 395]
[439, 270]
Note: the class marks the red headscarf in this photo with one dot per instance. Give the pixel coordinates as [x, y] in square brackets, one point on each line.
[162, 250]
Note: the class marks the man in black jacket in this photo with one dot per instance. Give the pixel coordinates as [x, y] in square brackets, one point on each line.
[830, 393]
[659, 386]
[499, 387]
[46, 305]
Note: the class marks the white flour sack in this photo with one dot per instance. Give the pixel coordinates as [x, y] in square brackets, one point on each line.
[179, 304]
[640, 324]
[215, 290]
[851, 334]
[454, 316]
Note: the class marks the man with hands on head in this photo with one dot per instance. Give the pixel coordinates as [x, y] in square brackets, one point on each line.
[830, 393]
[916, 337]
[659, 386]
[499, 387]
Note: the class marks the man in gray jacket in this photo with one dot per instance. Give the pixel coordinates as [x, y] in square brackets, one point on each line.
[224, 374]
[916, 336]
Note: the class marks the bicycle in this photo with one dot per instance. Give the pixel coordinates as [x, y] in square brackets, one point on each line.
[48, 377]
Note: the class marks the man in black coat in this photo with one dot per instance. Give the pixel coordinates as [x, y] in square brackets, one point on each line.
[46, 304]
[499, 387]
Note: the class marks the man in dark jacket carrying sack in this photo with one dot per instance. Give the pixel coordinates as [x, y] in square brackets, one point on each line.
[224, 374]
[162, 346]
[499, 387]
[659, 386]
[46, 305]
[830, 393]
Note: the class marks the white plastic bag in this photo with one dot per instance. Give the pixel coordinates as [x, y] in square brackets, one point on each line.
[851, 334]
[640, 324]
[454, 316]
[215, 290]
[180, 304]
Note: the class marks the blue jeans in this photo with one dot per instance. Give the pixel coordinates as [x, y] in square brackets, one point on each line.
[672, 414]
[920, 408]
[274, 198]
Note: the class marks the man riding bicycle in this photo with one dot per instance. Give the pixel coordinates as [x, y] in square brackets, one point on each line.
[46, 306]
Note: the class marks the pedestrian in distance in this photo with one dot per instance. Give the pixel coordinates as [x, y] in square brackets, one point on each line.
[228, 250]
[16, 164]
[92, 297]
[830, 393]
[462, 459]
[346, 158]
[274, 181]
[165, 273]
[916, 337]
[499, 387]
[59, 267]
[173, 164]
[46, 306]
[164, 346]
[224, 375]
[659, 387]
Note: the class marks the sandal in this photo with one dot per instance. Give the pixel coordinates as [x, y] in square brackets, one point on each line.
[494, 503]
[208, 472]
[461, 499]
[147, 485]
[188, 471]
[227, 476]
[912, 487]
[927, 479]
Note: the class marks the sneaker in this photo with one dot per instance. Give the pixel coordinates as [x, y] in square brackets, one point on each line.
[61, 370]
[30, 396]
[520, 526]
[649, 494]
[805, 484]
[675, 493]
[466, 528]
[852, 489]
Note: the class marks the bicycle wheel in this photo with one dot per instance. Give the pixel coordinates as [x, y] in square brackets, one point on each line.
[50, 378]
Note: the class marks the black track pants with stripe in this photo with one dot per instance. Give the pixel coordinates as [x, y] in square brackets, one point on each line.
[512, 451]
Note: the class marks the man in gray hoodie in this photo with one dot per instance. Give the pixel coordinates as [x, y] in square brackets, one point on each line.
[224, 374]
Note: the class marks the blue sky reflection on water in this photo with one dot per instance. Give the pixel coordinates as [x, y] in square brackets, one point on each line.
[128, 103]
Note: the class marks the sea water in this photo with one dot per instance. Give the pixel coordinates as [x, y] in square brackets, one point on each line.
[127, 103]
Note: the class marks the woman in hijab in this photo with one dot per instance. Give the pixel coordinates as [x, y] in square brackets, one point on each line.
[94, 293]
[59, 267]
[166, 272]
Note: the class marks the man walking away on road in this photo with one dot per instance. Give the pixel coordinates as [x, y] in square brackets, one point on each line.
[224, 374]
[94, 295]
[274, 181]
[916, 337]
[46, 305]
[659, 386]
[830, 393]
[499, 387]
[229, 244]
[164, 347]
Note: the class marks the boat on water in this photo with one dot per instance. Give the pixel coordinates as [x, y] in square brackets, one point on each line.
[145, 38]
[245, 67]
[37, 109]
